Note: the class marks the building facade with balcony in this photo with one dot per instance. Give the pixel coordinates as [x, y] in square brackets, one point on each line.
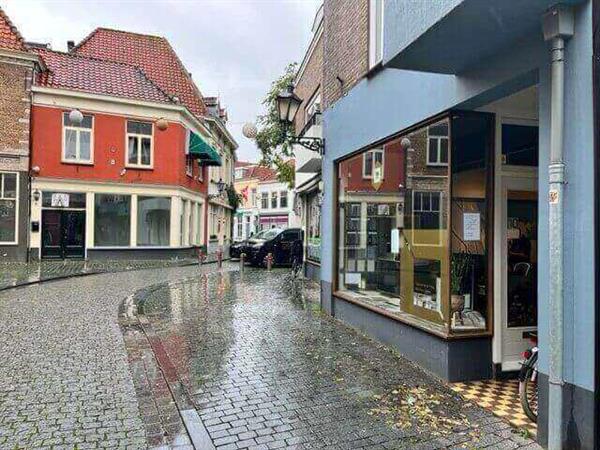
[437, 197]
[122, 147]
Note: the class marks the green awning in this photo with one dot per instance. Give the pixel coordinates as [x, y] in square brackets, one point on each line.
[205, 152]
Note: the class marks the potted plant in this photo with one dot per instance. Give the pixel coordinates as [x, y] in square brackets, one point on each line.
[459, 269]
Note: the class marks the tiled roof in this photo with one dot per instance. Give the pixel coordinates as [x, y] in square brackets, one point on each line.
[153, 54]
[243, 164]
[10, 38]
[97, 76]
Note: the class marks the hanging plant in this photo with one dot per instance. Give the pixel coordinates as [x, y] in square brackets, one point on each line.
[233, 197]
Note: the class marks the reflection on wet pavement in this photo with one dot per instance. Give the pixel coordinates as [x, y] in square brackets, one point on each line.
[265, 369]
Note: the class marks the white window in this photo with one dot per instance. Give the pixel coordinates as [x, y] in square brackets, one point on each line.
[9, 193]
[78, 145]
[375, 32]
[370, 160]
[427, 217]
[139, 144]
[313, 106]
[253, 197]
[189, 165]
[274, 200]
[264, 200]
[437, 144]
[283, 199]
[201, 173]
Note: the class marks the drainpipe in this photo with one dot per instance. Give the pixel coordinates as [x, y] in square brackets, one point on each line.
[558, 26]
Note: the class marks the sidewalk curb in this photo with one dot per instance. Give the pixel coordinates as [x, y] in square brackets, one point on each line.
[85, 274]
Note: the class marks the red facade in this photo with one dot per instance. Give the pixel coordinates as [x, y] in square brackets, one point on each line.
[109, 140]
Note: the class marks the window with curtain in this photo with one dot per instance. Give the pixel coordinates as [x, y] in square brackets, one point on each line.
[77, 139]
[139, 144]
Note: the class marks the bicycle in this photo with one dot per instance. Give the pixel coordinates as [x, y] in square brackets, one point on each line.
[528, 385]
[297, 250]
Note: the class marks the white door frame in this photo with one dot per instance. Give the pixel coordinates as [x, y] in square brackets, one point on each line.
[506, 178]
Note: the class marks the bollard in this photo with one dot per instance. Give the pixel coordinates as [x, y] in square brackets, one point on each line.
[201, 257]
[269, 259]
[220, 257]
[242, 258]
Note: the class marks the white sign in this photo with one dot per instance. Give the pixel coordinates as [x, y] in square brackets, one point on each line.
[471, 226]
[59, 200]
[395, 241]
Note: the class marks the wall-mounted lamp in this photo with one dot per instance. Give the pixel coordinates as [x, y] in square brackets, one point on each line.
[35, 169]
[123, 171]
[36, 195]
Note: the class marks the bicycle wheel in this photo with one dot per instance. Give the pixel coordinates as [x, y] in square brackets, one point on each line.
[528, 388]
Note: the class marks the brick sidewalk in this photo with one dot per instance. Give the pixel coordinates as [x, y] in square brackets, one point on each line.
[264, 369]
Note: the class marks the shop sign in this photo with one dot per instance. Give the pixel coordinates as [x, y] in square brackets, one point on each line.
[59, 200]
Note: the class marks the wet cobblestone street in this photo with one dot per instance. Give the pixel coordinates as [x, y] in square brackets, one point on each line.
[266, 369]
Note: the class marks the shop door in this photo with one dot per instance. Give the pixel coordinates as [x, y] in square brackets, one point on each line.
[63, 234]
[520, 269]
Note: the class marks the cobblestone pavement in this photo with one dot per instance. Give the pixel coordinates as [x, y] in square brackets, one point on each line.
[65, 381]
[17, 274]
[265, 369]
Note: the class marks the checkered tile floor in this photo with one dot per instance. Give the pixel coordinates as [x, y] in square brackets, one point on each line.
[501, 397]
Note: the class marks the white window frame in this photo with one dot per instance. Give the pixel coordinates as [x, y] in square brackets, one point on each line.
[78, 159]
[364, 162]
[274, 196]
[376, 9]
[15, 199]
[438, 138]
[189, 165]
[263, 196]
[139, 137]
[282, 195]
[310, 109]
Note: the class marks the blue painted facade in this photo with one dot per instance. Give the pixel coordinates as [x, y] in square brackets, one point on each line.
[393, 99]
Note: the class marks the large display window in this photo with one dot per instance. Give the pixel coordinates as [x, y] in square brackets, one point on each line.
[413, 229]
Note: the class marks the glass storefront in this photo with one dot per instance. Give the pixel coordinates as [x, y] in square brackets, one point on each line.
[313, 238]
[153, 221]
[112, 216]
[412, 229]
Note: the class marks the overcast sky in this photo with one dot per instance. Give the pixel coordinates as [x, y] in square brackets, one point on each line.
[234, 48]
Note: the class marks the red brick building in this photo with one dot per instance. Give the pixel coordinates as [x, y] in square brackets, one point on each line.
[131, 176]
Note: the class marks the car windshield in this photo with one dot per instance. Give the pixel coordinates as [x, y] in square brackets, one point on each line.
[270, 234]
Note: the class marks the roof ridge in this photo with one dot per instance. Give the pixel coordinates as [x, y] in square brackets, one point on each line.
[14, 29]
[134, 33]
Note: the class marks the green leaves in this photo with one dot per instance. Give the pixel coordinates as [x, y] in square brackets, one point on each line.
[272, 139]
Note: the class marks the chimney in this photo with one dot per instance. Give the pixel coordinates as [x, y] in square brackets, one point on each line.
[70, 45]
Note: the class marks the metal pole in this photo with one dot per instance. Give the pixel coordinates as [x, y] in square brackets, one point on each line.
[556, 172]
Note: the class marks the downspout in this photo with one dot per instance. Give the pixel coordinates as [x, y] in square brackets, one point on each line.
[558, 25]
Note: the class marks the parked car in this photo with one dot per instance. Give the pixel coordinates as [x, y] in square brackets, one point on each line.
[237, 248]
[281, 243]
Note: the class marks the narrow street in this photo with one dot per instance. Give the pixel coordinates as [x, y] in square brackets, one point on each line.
[252, 353]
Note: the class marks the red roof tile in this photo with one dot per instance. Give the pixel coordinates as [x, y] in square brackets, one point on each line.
[10, 38]
[153, 54]
[97, 76]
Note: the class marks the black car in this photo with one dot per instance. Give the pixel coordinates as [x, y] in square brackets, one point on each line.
[237, 248]
[283, 244]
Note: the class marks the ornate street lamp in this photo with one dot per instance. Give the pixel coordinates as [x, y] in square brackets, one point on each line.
[288, 105]
[220, 185]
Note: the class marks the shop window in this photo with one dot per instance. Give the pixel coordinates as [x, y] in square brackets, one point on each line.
[437, 144]
[77, 140]
[410, 247]
[372, 162]
[264, 200]
[283, 199]
[9, 183]
[139, 144]
[112, 218]
[153, 221]
[313, 244]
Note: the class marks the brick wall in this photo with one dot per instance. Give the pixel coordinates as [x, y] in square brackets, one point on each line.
[346, 46]
[310, 80]
[15, 104]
